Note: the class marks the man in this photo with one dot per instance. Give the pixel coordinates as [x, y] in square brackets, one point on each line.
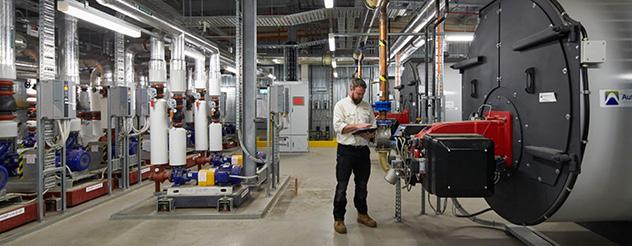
[351, 114]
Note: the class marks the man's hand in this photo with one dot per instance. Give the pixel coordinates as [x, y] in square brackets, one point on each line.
[362, 125]
[367, 135]
[352, 127]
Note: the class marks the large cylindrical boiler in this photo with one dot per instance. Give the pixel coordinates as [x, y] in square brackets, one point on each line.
[571, 158]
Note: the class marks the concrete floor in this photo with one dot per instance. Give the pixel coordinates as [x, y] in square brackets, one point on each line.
[297, 220]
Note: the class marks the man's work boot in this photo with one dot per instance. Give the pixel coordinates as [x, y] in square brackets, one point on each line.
[366, 220]
[339, 226]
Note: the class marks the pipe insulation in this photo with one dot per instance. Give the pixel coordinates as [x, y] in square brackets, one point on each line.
[215, 137]
[158, 135]
[214, 75]
[157, 64]
[201, 123]
[177, 66]
[199, 81]
[70, 50]
[7, 37]
[177, 146]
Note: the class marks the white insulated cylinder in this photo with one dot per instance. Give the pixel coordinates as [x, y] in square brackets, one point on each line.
[88, 133]
[75, 125]
[201, 121]
[177, 67]
[159, 132]
[215, 137]
[8, 129]
[188, 116]
[177, 147]
[95, 100]
[214, 76]
[95, 105]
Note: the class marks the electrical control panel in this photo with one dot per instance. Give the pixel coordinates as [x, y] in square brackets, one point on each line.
[278, 99]
[120, 106]
[57, 100]
[142, 102]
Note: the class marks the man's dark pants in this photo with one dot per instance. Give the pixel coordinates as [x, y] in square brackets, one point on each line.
[356, 160]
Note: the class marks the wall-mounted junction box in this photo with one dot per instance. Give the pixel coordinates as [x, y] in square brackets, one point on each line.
[120, 101]
[142, 102]
[57, 100]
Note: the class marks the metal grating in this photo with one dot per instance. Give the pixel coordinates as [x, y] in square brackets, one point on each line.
[119, 59]
[48, 66]
[279, 20]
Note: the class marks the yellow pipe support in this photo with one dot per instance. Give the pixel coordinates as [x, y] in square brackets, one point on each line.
[383, 159]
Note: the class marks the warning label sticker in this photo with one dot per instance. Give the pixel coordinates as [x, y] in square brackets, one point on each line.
[11, 214]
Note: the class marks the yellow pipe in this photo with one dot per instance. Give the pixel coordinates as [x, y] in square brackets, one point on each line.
[383, 158]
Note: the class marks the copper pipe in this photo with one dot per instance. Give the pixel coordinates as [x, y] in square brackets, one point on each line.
[383, 54]
[7, 117]
[158, 175]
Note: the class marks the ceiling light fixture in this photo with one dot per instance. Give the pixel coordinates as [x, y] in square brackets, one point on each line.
[89, 14]
[332, 42]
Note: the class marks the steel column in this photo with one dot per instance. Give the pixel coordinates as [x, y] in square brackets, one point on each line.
[248, 72]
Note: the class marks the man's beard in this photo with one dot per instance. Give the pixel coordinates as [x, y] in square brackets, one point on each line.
[356, 101]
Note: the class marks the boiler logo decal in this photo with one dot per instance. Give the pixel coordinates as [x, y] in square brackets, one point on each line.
[615, 98]
[612, 98]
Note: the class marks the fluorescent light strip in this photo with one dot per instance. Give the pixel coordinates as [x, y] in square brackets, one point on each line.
[86, 13]
[230, 69]
[332, 42]
[329, 4]
[459, 37]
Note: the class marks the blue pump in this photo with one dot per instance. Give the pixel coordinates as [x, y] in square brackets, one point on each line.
[77, 158]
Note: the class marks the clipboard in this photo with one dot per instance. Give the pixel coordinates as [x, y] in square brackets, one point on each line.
[371, 129]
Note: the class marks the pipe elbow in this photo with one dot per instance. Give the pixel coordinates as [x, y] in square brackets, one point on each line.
[383, 160]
